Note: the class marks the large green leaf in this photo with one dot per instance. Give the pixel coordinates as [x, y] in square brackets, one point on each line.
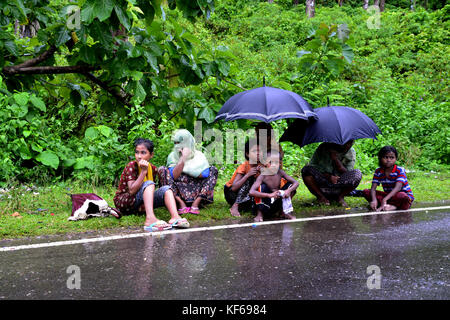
[48, 158]
[22, 98]
[84, 162]
[123, 17]
[11, 47]
[24, 152]
[139, 94]
[87, 54]
[347, 52]
[103, 9]
[62, 36]
[38, 103]
[207, 114]
[105, 130]
[152, 61]
[224, 66]
[101, 32]
[334, 64]
[87, 12]
[149, 11]
[21, 7]
[91, 133]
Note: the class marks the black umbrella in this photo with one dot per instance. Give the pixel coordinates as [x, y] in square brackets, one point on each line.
[266, 104]
[334, 124]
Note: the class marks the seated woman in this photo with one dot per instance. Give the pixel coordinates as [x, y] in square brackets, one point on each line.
[189, 174]
[330, 174]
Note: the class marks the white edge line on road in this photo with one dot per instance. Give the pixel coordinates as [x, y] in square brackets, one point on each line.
[229, 226]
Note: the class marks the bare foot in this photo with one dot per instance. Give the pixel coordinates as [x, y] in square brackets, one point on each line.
[389, 207]
[288, 216]
[234, 210]
[149, 221]
[343, 203]
[259, 217]
[324, 201]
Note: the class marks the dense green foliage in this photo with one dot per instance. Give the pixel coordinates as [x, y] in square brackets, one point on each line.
[398, 75]
[103, 72]
[166, 65]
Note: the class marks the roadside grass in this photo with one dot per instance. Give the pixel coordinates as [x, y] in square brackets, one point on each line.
[27, 211]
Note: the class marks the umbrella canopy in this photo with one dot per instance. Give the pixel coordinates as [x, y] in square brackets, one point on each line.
[335, 125]
[266, 104]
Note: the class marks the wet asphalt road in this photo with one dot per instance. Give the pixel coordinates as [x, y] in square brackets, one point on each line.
[322, 259]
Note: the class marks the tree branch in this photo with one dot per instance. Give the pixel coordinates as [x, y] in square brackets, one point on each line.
[48, 69]
[9, 70]
[122, 97]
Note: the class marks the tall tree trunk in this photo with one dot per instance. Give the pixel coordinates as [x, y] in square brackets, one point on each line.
[310, 8]
[366, 4]
[381, 5]
[340, 2]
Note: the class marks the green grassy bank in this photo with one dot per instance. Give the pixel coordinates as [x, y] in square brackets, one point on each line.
[43, 210]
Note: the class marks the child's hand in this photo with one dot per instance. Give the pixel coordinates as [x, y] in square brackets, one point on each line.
[383, 204]
[253, 171]
[287, 193]
[275, 194]
[373, 204]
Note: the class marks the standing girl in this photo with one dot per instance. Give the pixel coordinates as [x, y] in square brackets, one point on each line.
[136, 192]
[397, 193]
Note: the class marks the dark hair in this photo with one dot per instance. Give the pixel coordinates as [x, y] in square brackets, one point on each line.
[248, 145]
[147, 143]
[384, 151]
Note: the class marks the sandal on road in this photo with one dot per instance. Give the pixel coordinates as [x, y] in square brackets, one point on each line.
[180, 223]
[159, 225]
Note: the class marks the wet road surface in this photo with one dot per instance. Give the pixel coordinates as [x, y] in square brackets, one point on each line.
[389, 256]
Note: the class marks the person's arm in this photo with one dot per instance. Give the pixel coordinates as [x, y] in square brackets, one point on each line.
[135, 185]
[255, 193]
[397, 188]
[240, 179]
[337, 163]
[178, 169]
[374, 201]
[294, 185]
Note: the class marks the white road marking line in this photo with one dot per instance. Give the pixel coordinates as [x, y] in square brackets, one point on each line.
[229, 226]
